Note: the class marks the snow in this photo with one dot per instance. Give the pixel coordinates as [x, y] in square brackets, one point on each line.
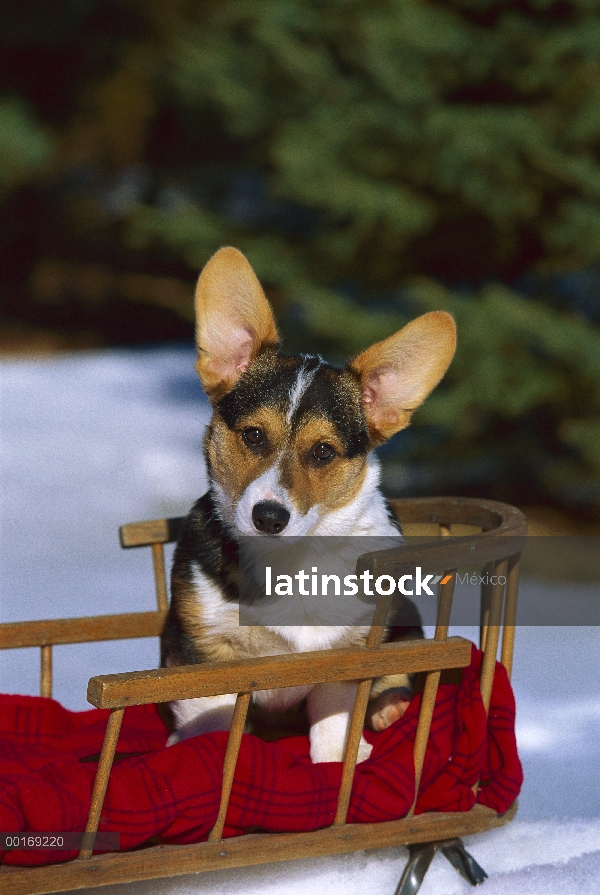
[92, 440]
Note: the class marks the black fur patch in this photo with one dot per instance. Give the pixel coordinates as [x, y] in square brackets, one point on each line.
[333, 394]
[392, 516]
[204, 542]
[267, 382]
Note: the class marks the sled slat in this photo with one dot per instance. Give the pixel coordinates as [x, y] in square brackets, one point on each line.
[486, 596]
[46, 670]
[102, 774]
[355, 729]
[357, 718]
[160, 579]
[234, 741]
[446, 595]
[488, 664]
[510, 613]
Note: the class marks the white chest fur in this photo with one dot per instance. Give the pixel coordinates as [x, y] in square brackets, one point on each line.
[328, 704]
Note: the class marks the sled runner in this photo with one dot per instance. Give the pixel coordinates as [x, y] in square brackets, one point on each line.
[472, 533]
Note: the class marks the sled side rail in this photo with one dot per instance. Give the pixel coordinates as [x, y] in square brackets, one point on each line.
[48, 633]
[85, 629]
[115, 691]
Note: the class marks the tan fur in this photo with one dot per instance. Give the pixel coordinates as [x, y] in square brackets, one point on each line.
[233, 321]
[233, 465]
[189, 610]
[333, 485]
[233, 642]
[398, 373]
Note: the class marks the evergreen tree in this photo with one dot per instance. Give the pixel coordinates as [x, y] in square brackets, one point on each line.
[458, 140]
[373, 160]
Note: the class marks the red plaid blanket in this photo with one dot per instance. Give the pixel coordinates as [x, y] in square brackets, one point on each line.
[174, 793]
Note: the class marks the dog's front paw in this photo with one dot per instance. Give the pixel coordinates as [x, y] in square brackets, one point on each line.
[364, 750]
[320, 751]
[387, 708]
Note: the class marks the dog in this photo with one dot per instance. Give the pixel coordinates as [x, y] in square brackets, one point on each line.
[288, 453]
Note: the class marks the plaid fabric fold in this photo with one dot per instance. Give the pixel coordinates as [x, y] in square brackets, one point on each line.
[174, 793]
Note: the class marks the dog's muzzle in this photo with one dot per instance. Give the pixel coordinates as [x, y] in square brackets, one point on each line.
[270, 517]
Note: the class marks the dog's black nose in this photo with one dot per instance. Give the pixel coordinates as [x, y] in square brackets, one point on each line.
[270, 517]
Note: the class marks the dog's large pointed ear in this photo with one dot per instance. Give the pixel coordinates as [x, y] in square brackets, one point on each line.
[233, 321]
[397, 374]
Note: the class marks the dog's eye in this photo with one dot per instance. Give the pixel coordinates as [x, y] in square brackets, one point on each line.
[323, 452]
[253, 437]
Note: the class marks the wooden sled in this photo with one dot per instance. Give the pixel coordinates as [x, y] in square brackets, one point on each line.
[496, 534]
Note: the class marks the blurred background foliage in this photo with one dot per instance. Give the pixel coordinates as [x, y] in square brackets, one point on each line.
[374, 159]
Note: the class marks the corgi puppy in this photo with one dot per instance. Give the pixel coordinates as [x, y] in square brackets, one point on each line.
[288, 454]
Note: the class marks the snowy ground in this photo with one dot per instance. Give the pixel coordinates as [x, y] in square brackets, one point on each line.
[94, 440]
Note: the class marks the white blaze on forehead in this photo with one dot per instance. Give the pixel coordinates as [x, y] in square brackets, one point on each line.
[303, 380]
